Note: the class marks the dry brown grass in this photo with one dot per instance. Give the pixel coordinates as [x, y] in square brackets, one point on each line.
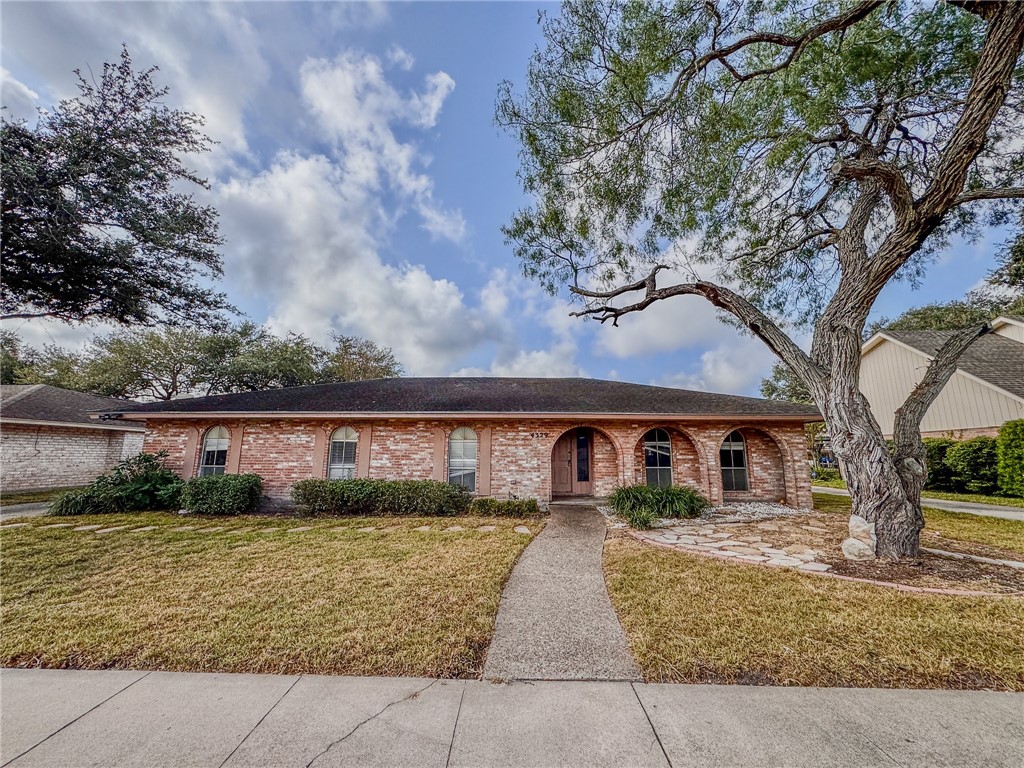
[393, 602]
[693, 619]
[958, 526]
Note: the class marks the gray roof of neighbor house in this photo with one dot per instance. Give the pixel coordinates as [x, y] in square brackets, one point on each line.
[995, 359]
[483, 395]
[43, 403]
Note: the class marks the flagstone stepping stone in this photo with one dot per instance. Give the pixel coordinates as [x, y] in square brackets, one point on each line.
[112, 529]
[300, 529]
[57, 525]
[340, 529]
[749, 539]
[454, 528]
[88, 527]
[792, 549]
[269, 530]
[367, 529]
[422, 528]
[769, 526]
[523, 529]
[788, 561]
[819, 567]
[752, 558]
[487, 528]
[724, 553]
[748, 551]
[815, 528]
[218, 529]
[184, 528]
[237, 531]
[720, 535]
[145, 528]
[17, 525]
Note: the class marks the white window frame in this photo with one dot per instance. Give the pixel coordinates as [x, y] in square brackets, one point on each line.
[735, 447]
[220, 436]
[661, 448]
[343, 469]
[462, 467]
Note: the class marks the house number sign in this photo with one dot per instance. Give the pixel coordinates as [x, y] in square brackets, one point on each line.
[538, 434]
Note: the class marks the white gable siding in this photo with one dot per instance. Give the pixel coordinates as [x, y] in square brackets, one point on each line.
[890, 371]
[1012, 330]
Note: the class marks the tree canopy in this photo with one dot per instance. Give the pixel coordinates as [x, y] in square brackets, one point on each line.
[97, 223]
[172, 362]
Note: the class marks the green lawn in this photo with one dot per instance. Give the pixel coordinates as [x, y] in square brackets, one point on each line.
[694, 619]
[960, 526]
[974, 498]
[324, 601]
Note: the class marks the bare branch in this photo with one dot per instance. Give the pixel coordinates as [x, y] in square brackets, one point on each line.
[992, 193]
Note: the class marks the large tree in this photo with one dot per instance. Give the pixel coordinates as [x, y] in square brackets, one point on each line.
[784, 161]
[97, 221]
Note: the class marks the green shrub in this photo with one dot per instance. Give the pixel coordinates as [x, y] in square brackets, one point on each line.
[940, 476]
[505, 507]
[641, 505]
[972, 464]
[222, 494]
[412, 498]
[139, 483]
[829, 474]
[1010, 457]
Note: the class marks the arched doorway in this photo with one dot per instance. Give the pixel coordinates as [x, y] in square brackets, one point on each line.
[572, 463]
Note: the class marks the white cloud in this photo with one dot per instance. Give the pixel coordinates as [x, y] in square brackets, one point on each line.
[735, 367]
[19, 101]
[400, 57]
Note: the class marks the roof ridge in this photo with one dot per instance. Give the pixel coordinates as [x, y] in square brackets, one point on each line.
[28, 389]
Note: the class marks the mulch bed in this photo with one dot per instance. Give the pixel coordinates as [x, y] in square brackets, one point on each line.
[933, 571]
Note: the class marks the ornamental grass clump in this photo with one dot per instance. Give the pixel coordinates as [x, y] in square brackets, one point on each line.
[642, 505]
[137, 484]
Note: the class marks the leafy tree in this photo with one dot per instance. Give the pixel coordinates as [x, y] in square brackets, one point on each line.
[96, 222]
[356, 359]
[783, 385]
[15, 358]
[803, 154]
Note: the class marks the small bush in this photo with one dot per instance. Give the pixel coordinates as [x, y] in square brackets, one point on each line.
[505, 507]
[972, 464]
[641, 505]
[412, 498]
[829, 474]
[222, 494]
[940, 477]
[1010, 457]
[137, 484]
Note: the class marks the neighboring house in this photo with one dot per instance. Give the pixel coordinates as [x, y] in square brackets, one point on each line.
[986, 390]
[500, 437]
[49, 440]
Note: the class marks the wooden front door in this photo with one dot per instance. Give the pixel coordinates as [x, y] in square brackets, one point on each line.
[570, 464]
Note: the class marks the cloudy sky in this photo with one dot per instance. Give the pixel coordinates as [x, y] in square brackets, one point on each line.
[361, 182]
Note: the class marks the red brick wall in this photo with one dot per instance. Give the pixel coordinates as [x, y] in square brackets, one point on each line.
[766, 478]
[282, 452]
[42, 457]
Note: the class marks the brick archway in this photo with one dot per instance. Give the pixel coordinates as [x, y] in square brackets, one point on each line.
[689, 463]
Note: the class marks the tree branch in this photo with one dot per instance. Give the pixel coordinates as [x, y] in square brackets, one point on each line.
[992, 193]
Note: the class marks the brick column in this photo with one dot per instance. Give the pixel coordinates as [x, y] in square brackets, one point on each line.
[235, 449]
[320, 440]
[484, 484]
[188, 467]
[438, 470]
[363, 451]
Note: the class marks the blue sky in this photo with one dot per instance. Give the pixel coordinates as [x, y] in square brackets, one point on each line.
[362, 182]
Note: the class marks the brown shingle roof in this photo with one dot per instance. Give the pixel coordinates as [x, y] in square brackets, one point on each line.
[41, 402]
[485, 395]
[995, 359]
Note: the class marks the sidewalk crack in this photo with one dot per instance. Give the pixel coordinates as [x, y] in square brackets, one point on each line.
[336, 742]
[653, 729]
[455, 727]
[260, 721]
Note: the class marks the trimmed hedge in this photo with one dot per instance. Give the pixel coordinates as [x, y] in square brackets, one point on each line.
[396, 498]
[505, 507]
[940, 476]
[222, 494]
[139, 483]
[642, 505]
[1010, 457]
[973, 464]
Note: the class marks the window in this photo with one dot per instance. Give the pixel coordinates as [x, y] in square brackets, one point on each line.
[342, 462]
[583, 455]
[733, 458]
[658, 458]
[462, 458]
[215, 452]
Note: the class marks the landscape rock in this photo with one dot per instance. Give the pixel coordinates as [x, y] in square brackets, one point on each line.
[855, 549]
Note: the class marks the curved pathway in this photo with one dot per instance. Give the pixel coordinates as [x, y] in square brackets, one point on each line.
[555, 621]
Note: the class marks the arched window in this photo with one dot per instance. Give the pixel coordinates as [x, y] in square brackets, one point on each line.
[733, 458]
[342, 462]
[462, 458]
[658, 458]
[215, 452]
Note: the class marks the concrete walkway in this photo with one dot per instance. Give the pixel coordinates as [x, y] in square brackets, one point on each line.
[32, 509]
[118, 719]
[555, 621]
[971, 508]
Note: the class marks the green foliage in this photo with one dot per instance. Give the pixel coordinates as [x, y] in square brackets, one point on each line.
[486, 507]
[222, 494]
[642, 505]
[783, 385]
[97, 220]
[972, 464]
[830, 474]
[140, 483]
[940, 476]
[1010, 452]
[364, 496]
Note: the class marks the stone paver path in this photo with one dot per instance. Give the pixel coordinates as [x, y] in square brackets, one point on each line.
[555, 621]
[739, 541]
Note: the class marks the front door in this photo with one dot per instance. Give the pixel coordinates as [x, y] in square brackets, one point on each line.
[570, 464]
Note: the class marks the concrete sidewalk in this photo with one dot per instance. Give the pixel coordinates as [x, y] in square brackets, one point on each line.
[32, 509]
[555, 620]
[114, 718]
[970, 507]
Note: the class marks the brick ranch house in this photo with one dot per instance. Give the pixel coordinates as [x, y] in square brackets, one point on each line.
[500, 437]
[48, 438]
